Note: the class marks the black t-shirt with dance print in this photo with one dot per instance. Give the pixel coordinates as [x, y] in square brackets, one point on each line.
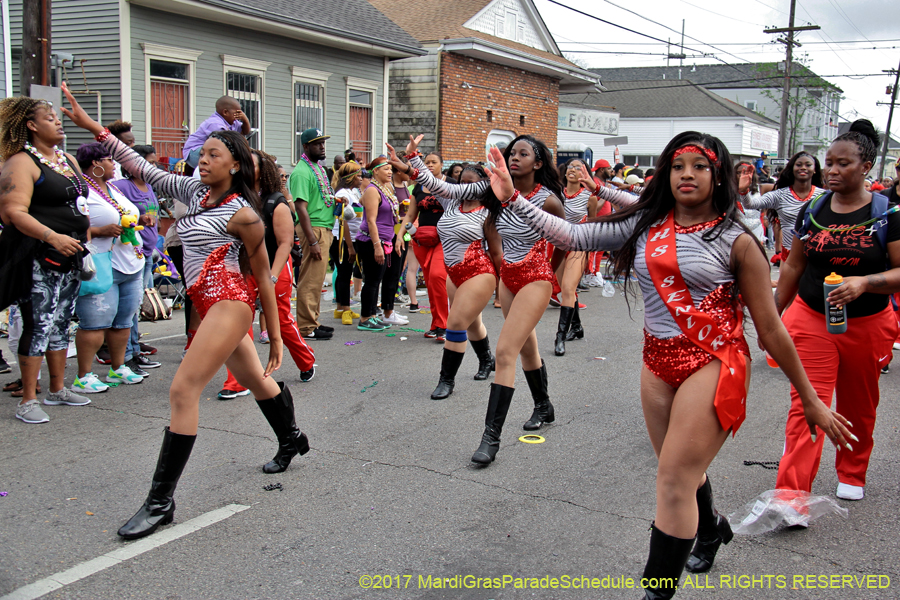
[853, 253]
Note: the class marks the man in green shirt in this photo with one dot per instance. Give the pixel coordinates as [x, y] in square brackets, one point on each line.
[314, 200]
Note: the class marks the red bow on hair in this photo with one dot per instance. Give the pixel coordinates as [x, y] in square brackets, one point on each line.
[694, 149]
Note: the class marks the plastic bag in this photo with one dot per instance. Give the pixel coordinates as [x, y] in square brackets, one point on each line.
[608, 290]
[88, 270]
[774, 509]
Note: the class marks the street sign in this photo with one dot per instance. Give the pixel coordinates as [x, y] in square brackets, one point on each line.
[616, 141]
[778, 162]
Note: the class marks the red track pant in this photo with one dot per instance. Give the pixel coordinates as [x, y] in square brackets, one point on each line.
[848, 364]
[290, 335]
[432, 262]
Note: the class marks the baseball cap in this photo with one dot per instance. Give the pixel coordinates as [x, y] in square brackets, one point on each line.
[619, 166]
[312, 135]
[600, 164]
[633, 179]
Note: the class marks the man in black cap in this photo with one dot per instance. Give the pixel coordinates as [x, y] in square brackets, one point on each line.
[314, 199]
[619, 173]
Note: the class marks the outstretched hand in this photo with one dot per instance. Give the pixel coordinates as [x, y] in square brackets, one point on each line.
[744, 181]
[586, 180]
[501, 181]
[414, 142]
[395, 161]
[78, 114]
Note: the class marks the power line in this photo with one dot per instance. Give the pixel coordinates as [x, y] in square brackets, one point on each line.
[720, 15]
[738, 43]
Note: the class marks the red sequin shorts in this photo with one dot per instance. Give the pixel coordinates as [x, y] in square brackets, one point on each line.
[675, 359]
[475, 262]
[534, 267]
[217, 283]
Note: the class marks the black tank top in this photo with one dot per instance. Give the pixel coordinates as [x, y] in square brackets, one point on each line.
[269, 206]
[58, 203]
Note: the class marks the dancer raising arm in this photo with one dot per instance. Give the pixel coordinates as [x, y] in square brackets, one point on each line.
[693, 261]
[221, 225]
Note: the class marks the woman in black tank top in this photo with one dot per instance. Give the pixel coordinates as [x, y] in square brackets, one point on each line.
[44, 213]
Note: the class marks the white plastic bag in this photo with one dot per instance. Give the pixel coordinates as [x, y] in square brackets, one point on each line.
[608, 290]
[774, 509]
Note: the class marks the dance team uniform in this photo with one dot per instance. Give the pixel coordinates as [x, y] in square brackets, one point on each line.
[670, 353]
[462, 236]
[787, 203]
[576, 206]
[211, 269]
[524, 249]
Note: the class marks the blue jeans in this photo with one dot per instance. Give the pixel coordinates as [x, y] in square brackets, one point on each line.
[134, 342]
[114, 309]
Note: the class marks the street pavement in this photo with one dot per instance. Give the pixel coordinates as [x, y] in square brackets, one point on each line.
[387, 495]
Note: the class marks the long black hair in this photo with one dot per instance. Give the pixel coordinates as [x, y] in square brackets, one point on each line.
[242, 182]
[786, 179]
[547, 175]
[565, 168]
[657, 199]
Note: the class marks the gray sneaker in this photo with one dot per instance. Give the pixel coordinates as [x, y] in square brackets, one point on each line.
[31, 412]
[65, 396]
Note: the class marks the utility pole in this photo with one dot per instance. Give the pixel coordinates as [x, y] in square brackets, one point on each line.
[887, 132]
[680, 55]
[788, 41]
[35, 45]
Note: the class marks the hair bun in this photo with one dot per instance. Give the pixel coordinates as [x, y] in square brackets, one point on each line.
[865, 127]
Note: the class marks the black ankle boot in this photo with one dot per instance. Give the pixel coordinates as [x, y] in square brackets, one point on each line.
[498, 407]
[576, 332]
[159, 507]
[279, 412]
[713, 530]
[449, 368]
[562, 329]
[482, 350]
[665, 563]
[543, 409]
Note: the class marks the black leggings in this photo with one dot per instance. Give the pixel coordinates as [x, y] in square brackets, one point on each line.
[391, 280]
[344, 273]
[372, 275]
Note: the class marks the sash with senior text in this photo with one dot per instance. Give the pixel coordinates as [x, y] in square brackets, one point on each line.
[699, 327]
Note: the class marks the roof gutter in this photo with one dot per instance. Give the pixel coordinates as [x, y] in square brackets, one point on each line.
[223, 11]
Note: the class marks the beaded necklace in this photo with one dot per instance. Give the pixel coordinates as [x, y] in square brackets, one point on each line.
[569, 197]
[111, 201]
[204, 201]
[532, 193]
[392, 200]
[61, 166]
[324, 184]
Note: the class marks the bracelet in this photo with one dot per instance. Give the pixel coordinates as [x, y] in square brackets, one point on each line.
[414, 175]
[512, 198]
[316, 243]
[413, 155]
[101, 137]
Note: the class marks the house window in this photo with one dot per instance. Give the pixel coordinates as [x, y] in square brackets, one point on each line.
[169, 97]
[309, 103]
[361, 117]
[245, 82]
[507, 26]
[751, 105]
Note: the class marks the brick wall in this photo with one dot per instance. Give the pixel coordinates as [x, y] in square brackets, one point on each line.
[518, 101]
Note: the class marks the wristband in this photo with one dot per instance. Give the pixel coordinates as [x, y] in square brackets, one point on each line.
[413, 155]
[512, 198]
[101, 137]
[316, 243]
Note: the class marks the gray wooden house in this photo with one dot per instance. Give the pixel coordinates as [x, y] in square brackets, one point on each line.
[293, 64]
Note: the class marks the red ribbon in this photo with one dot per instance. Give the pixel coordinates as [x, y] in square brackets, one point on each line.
[699, 327]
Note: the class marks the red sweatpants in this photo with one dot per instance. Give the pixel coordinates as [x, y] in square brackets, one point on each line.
[849, 364]
[301, 353]
[432, 262]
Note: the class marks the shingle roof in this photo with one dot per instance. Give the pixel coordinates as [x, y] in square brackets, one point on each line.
[431, 22]
[356, 19]
[719, 76]
[649, 99]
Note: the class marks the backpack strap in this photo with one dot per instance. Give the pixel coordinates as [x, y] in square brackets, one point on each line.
[269, 207]
[812, 210]
[879, 207]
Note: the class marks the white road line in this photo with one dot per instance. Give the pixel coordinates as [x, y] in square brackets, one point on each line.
[165, 337]
[110, 559]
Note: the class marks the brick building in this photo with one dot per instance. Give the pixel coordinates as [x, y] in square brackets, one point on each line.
[492, 72]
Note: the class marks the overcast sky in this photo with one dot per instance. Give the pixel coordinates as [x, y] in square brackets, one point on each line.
[736, 29]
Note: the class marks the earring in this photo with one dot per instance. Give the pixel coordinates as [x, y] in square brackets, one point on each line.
[94, 172]
[233, 171]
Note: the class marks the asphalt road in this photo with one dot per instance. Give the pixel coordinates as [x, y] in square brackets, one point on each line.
[388, 496]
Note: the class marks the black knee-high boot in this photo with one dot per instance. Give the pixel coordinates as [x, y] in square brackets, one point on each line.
[713, 530]
[159, 507]
[576, 331]
[665, 564]
[279, 412]
[566, 314]
[450, 363]
[543, 409]
[498, 407]
[482, 350]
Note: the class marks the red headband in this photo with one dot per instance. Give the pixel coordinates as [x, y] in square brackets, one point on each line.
[697, 150]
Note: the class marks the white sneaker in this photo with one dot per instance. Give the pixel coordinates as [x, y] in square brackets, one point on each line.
[845, 491]
[396, 319]
[123, 375]
[896, 345]
[89, 384]
[67, 397]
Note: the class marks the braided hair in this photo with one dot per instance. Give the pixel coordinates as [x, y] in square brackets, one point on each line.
[863, 134]
[14, 114]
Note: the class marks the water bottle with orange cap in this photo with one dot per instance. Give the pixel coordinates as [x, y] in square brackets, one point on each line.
[835, 316]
